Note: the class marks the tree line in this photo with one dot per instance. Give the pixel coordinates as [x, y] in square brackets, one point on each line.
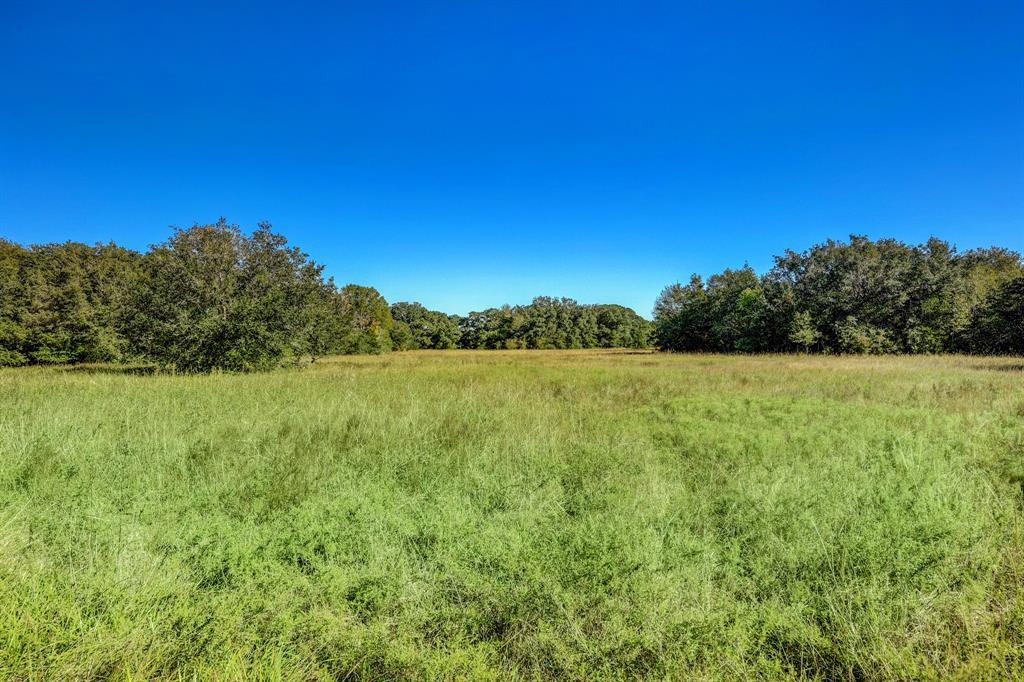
[213, 297]
[859, 296]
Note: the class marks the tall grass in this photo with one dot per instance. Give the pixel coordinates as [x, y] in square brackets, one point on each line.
[573, 515]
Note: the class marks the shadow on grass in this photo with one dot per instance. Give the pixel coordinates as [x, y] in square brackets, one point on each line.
[132, 370]
[1004, 367]
[613, 351]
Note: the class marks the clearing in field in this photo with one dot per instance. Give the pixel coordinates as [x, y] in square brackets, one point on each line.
[516, 515]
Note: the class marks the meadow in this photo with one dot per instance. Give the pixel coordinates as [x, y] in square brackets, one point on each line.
[516, 515]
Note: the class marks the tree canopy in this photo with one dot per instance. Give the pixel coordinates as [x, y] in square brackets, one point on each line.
[213, 297]
[549, 322]
[860, 296]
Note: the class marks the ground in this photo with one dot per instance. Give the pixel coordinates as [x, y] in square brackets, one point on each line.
[521, 514]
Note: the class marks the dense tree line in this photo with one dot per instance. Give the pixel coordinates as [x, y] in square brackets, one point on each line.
[546, 322]
[209, 297]
[860, 296]
[554, 323]
[213, 297]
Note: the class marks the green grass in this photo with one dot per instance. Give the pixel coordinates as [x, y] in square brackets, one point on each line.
[526, 514]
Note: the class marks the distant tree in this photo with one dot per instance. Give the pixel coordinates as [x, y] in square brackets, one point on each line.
[803, 332]
[494, 328]
[212, 297]
[321, 327]
[981, 272]
[934, 289]
[411, 321]
[59, 318]
[445, 330]
[553, 323]
[736, 308]
[367, 320]
[777, 316]
[999, 323]
[860, 296]
[402, 337]
[865, 280]
[861, 337]
[508, 327]
[428, 328]
[472, 330]
[682, 317]
[620, 327]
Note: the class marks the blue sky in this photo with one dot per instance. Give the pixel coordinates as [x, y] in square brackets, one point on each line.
[467, 154]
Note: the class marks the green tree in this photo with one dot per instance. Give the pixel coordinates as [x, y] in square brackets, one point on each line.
[13, 303]
[683, 317]
[75, 296]
[428, 328]
[322, 327]
[999, 323]
[213, 298]
[736, 305]
[870, 281]
[855, 336]
[366, 319]
[803, 332]
[620, 327]
[402, 337]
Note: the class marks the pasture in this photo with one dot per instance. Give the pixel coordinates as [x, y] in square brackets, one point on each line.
[516, 515]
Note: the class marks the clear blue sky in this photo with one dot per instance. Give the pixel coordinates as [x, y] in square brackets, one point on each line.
[467, 154]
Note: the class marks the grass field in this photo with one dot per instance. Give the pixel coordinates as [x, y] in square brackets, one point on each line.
[530, 514]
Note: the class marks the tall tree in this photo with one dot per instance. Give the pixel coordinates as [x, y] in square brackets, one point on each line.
[366, 319]
[860, 296]
[426, 328]
[999, 322]
[213, 298]
[682, 317]
[13, 303]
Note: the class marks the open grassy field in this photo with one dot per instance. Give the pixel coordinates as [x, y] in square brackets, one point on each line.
[530, 514]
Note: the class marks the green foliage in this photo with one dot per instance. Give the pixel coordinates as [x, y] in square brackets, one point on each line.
[402, 337]
[858, 297]
[321, 323]
[9, 340]
[803, 332]
[620, 327]
[366, 319]
[859, 337]
[682, 317]
[13, 303]
[554, 323]
[551, 515]
[62, 302]
[730, 313]
[999, 321]
[214, 298]
[737, 305]
[426, 328]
